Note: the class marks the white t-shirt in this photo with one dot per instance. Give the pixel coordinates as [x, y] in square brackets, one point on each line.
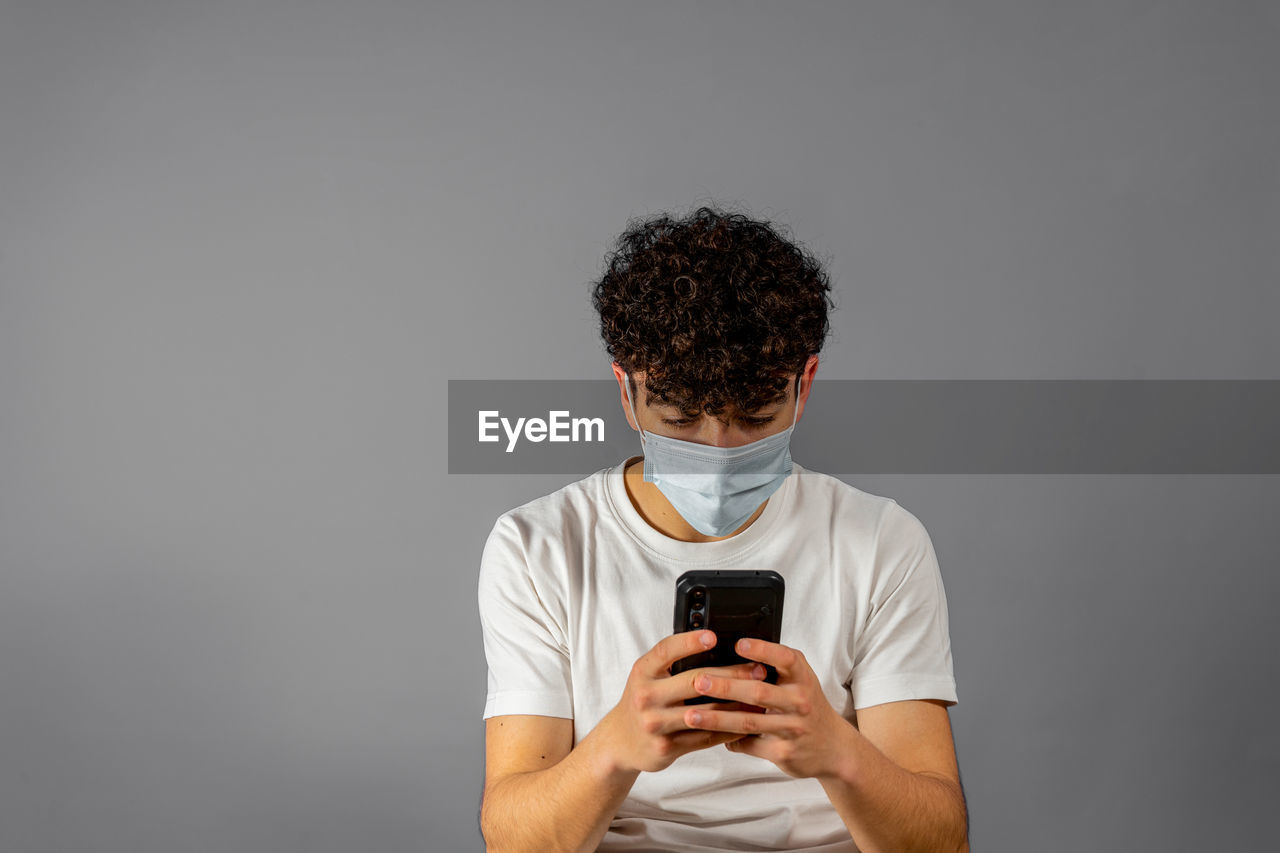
[575, 586]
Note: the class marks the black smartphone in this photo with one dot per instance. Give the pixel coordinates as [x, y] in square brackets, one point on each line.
[734, 603]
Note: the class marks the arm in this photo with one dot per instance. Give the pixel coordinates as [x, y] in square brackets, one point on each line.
[541, 793]
[892, 778]
[897, 786]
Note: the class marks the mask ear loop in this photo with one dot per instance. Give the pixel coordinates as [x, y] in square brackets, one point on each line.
[631, 404]
[795, 413]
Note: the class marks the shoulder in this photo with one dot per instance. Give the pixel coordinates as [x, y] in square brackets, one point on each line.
[571, 507]
[875, 531]
[544, 532]
[850, 508]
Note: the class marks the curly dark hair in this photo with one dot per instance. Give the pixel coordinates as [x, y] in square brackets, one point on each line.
[717, 309]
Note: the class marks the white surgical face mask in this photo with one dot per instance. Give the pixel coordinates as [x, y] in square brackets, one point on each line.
[716, 489]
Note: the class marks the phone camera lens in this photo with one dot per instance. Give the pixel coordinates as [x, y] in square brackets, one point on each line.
[696, 620]
[699, 594]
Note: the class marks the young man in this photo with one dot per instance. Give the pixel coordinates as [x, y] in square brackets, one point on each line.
[714, 323]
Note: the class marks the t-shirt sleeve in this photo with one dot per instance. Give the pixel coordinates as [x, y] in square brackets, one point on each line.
[528, 661]
[904, 648]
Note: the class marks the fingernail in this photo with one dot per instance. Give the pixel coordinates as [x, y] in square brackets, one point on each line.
[758, 671]
[703, 683]
[708, 639]
[744, 645]
[695, 718]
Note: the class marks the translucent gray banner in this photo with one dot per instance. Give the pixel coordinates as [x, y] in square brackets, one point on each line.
[919, 426]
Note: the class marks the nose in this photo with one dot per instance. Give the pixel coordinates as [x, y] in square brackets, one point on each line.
[717, 433]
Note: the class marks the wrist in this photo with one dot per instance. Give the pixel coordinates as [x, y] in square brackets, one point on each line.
[842, 769]
[606, 760]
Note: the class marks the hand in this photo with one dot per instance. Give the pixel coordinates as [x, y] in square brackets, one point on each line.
[799, 731]
[646, 730]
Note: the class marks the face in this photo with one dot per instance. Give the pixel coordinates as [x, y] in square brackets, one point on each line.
[731, 428]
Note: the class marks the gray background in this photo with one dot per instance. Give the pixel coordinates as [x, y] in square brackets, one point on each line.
[243, 245]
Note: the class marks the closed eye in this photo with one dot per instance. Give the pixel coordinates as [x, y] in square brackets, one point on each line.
[749, 421]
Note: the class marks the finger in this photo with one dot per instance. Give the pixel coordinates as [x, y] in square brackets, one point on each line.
[787, 661]
[693, 739]
[656, 662]
[750, 692]
[691, 735]
[780, 725]
[676, 688]
[747, 745]
[669, 721]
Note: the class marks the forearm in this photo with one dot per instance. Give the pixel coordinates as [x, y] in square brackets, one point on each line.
[888, 809]
[565, 808]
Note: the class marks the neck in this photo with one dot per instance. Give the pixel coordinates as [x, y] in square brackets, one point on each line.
[658, 512]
